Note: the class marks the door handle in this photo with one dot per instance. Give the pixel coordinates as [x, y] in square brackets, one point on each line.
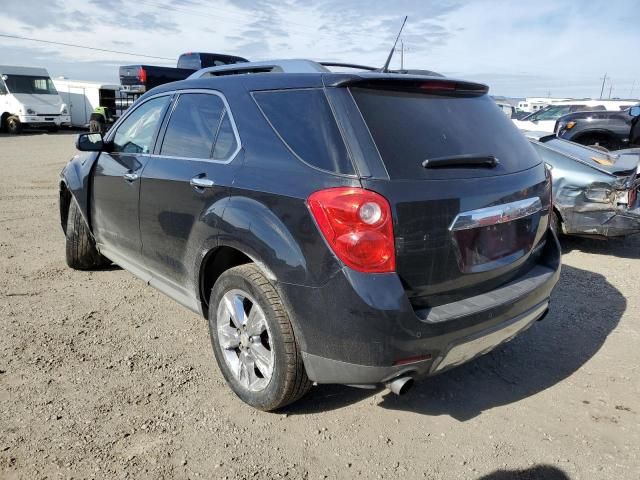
[131, 176]
[201, 182]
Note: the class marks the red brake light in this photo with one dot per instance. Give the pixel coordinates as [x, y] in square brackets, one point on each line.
[142, 75]
[358, 226]
[438, 85]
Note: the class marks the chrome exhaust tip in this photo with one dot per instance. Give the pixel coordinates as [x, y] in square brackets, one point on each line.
[400, 385]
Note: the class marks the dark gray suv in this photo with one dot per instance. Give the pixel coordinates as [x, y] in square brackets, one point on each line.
[361, 228]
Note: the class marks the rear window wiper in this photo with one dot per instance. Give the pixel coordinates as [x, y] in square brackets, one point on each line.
[466, 160]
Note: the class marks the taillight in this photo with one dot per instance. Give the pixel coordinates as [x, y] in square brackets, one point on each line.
[438, 85]
[142, 75]
[357, 225]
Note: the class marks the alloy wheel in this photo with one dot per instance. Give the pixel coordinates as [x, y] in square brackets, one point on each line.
[245, 340]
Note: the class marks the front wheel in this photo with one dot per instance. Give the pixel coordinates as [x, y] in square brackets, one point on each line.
[13, 125]
[253, 340]
[81, 251]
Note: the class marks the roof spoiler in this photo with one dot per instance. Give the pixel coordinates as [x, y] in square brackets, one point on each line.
[430, 85]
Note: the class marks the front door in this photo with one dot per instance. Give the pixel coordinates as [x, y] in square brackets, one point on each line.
[185, 185]
[116, 181]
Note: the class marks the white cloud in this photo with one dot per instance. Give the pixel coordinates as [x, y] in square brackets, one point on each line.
[519, 48]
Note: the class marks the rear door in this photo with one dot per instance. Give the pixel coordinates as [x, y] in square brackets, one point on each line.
[461, 228]
[116, 180]
[184, 185]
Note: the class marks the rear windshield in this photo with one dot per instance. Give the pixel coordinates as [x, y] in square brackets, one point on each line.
[190, 61]
[409, 128]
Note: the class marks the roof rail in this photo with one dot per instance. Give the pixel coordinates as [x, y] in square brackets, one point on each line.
[274, 66]
[292, 66]
[349, 65]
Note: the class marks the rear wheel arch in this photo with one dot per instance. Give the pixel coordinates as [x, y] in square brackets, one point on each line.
[215, 263]
[224, 257]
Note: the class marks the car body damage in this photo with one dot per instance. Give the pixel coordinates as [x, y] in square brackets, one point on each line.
[595, 192]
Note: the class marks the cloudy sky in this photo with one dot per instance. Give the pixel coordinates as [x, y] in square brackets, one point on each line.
[519, 48]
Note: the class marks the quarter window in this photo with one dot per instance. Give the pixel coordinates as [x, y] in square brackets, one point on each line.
[136, 132]
[304, 121]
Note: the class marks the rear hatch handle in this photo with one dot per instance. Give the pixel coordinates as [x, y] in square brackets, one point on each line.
[465, 160]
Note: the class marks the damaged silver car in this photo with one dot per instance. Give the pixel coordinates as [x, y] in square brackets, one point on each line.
[595, 192]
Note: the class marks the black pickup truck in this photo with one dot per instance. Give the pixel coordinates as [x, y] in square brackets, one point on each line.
[136, 79]
[608, 129]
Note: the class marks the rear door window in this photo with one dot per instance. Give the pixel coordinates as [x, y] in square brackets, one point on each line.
[409, 128]
[194, 126]
[304, 121]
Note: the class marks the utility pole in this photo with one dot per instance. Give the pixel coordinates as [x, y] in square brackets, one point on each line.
[604, 79]
[610, 88]
[401, 54]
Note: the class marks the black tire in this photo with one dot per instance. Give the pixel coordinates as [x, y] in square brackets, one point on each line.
[13, 125]
[289, 381]
[81, 249]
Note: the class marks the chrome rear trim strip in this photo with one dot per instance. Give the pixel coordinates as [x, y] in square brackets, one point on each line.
[496, 214]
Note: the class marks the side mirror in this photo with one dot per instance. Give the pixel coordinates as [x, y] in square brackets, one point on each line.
[90, 142]
[635, 111]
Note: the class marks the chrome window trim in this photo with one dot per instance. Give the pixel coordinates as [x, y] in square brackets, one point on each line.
[228, 111]
[497, 214]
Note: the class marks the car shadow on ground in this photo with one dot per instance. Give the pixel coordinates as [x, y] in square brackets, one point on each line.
[538, 472]
[628, 247]
[585, 308]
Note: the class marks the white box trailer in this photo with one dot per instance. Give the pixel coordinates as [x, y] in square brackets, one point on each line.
[83, 97]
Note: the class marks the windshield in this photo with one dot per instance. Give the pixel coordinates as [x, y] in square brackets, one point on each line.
[30, 84]
[550, 113]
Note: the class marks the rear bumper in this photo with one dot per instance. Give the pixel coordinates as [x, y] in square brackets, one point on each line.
[608, 223]
[361, 329]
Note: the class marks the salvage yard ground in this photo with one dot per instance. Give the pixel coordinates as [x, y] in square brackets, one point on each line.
[103, 377]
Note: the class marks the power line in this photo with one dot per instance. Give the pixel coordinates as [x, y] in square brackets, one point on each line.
[16, 37]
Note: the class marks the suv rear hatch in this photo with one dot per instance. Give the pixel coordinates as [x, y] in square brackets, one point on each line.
[474, 215]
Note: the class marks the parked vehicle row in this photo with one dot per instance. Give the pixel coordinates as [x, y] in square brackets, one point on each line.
[356, 228]
[545, 120]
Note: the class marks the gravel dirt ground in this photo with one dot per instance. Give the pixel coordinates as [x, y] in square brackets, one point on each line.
[103, 377]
